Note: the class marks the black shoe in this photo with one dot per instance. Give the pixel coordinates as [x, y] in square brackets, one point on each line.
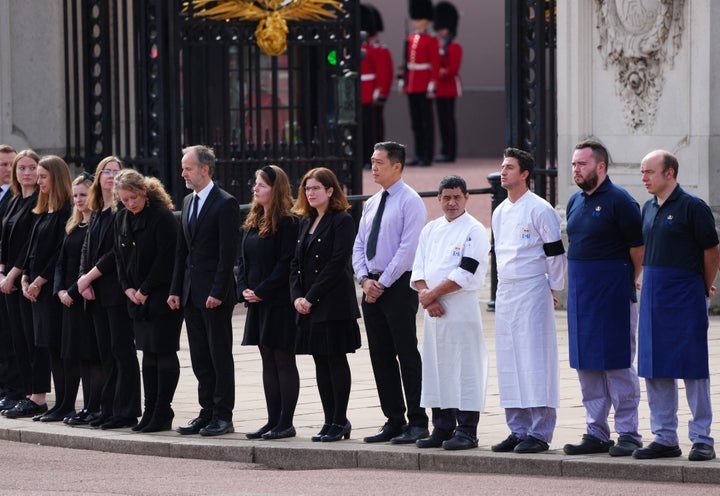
[318, 437]
[56, 416]
[411, 434]
[625, 446]
[26, 408]
[507, 445]
[72, 415]
[460, 441]
[701, 452]
[144, 420]
[7, 403]
[289, 432]
[258, 433]
[386, 433]
[193, 426]
[119, 423]
[656, 450]
[98, 421]
[589, 444]
[434, 440]
[337, 432]
[83, 418]
[218, 427]
[161, 421]
[531, 445]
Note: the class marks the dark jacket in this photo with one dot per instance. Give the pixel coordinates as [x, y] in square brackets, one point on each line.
[321, 270]
[15, 238]
[45, 243]
[101, 254]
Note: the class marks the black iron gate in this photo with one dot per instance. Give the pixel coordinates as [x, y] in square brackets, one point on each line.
[146, 77]
[530, 79]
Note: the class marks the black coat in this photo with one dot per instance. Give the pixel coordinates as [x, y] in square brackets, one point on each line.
[321, 270]
[101, 254]
[15, 237]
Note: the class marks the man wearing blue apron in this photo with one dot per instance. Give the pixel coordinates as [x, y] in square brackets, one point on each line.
[680, 265]
[604, 259]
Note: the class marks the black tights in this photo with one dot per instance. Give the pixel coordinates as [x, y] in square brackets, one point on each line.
[333, 380]
[281, 382]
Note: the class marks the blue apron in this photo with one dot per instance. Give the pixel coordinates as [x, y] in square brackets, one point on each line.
[673, 325]
[599, 297]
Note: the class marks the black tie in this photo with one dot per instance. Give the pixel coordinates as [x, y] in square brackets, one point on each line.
[373, 238]
[193, 218]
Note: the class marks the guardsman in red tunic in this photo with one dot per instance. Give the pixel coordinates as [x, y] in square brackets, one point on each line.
[449, 86]
[419, 80]
[376, 80]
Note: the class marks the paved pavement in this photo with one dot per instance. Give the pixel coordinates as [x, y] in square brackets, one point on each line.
[366, 417]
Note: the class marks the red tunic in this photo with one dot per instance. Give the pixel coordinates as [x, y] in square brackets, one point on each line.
[449, 84]
[423, 62]
[376, 73]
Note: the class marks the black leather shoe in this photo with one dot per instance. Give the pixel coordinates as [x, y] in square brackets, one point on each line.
[411, 434]
[337, 432]
[531, 445]
[193, 426]
[656, 450]
[55, 416]
[100, 420]
[701, 452]
[507, 445]
[318, 437]
[625, 446]
[589, 444]
[460, 441]
[26, 408]
[119, 423]
[386, 433]
[434, 440]
[7, 403]
[217, 427]
[289, 432]
[258, 433]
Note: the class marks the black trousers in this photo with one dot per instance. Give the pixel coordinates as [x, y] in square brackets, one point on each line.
[446, 125]
[447, 420]
[116, 344]
[11, 384]
[421, 117]
[373, 129]
[33, 362]
[392, 339]
[210, 339]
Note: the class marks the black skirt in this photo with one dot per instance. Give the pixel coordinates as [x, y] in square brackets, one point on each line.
[327, 338]
[270, 325]
[78, 333]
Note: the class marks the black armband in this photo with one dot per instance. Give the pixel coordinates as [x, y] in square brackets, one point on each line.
[554, 249]
[469, 264]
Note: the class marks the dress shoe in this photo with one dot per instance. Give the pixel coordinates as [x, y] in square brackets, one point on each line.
[144, 420]
[386, 433]
[160, 421]
[7, 403]
[656, 450]
[26, 408]
[289, 432]
[83, 417]
[100, 420]
[589, 444]
[73, 414]
[701, 452]
[56, 416]
[507, 445]
[218, 427]
[258, 433]
[337, 432]
[625, 446]
[531, 445]
[460, 441]
[318, 437]
[119, 423]
[411, 434]
[434, 440]
[193, 426]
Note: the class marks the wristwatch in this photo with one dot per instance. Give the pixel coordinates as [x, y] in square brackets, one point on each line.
[360, 279]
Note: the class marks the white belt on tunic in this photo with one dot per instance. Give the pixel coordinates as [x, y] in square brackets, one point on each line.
[367, 77]
[418, 67]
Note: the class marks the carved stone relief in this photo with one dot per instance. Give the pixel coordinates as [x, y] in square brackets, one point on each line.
[639, 39]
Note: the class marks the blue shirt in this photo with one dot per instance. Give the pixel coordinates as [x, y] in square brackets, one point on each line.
[603, 225]
[678, 232]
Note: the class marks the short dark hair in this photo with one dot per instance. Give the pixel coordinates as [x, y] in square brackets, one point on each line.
[395, 151]
[452, 182]
[670, 161]
[599, 151]
[7, 149]
[525, 159]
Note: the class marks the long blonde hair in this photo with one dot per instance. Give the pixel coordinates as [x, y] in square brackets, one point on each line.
[95, 199]
[61, 190]
[77, 217]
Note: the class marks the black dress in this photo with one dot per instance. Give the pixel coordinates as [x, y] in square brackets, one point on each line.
[78, 333]
[144, 249]
[264, 267]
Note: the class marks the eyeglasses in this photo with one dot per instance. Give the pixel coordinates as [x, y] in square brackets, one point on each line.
[313, 189]
[108, 172]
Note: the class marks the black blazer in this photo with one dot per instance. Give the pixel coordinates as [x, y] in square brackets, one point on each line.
[107, 288]
[273, 266]
[45, 244]
[14, 241]
[144, 253]
[204, 263]
[321, 270]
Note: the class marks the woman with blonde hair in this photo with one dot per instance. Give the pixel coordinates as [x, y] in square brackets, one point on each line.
[79, 349]
[268, 242]
[323, 292]
[33, 364]
[51, 212]
[145, 237]
[120, 403]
